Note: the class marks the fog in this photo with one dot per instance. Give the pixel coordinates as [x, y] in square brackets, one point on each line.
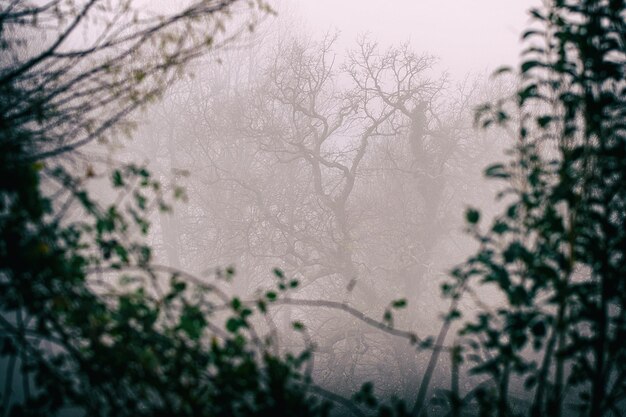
[334, 144]
[466, 37]
[220, 207]
[337, 143]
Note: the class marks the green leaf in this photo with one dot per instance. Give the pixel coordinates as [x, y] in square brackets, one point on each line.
[529, 65]
[118, 180]
[233, 324]
[500, 228]
[544, 121]
[502, 70]
[180, 194]
[472, 216]
[401, 303]
[179, 286]
[388, 317]
[192, 322]
[532, 32]
[527, 93]
[536, 13]
[453, 315]
[497, 171]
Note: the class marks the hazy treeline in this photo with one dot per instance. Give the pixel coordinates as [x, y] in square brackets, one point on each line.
[349, 170]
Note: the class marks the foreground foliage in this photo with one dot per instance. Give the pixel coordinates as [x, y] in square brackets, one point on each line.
[91, 325]
[555, 261]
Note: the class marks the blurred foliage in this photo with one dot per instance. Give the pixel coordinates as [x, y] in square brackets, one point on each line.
[133, 350]
[550, 274]
[88, 322]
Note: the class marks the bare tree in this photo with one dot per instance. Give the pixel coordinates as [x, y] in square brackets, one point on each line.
[342, 172]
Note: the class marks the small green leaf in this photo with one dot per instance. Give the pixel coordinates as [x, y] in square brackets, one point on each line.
[500, 228]
[453, 315]
[472, 215]
[180, 194]
[179, 286]
[233, 324]
[118, 180]
[502, 70]
[497, 171]
[401, 303]
[388, 317]
[544, 121]
[528, 65]
[192, 322]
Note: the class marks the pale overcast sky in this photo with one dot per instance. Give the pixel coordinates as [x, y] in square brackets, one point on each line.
[468, 35]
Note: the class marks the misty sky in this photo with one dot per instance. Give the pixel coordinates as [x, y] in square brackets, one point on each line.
[468, 35]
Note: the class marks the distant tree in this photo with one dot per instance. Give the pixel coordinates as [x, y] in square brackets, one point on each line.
[311, 157]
